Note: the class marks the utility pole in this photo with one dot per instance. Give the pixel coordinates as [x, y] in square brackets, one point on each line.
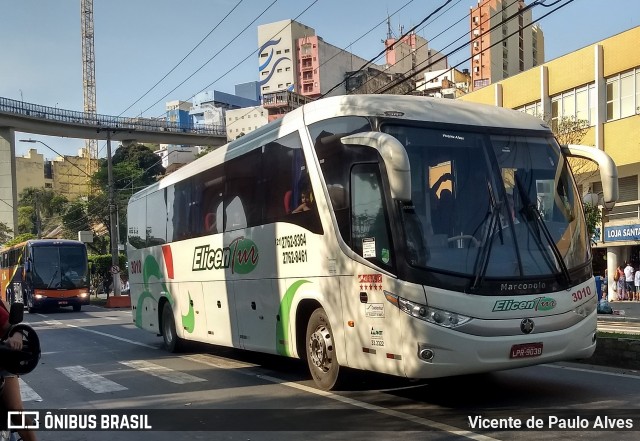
[112, 220]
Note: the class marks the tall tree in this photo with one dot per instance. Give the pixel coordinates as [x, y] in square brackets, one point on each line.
[6, 233]
[135, 166]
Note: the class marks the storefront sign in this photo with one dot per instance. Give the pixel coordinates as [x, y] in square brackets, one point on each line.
[622, 233]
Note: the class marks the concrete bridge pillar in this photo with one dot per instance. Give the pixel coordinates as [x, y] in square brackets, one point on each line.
[8, 195]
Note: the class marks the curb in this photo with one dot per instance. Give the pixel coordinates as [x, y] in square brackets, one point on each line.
[617, 318]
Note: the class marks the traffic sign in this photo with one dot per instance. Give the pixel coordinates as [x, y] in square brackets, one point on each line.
[115, 269]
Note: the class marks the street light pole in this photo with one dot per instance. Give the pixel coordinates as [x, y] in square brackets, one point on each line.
[112, 220]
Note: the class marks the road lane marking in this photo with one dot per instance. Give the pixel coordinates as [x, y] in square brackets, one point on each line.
[104, 334]
[226, 364]
[27, 393]
[165, 373]
[592, 371]
[92, 381]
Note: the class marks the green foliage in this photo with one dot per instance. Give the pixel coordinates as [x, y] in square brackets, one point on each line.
[26, 220]
[101, 269]
[20, 238]
[6, 233]
[102, 263]
[593, 216]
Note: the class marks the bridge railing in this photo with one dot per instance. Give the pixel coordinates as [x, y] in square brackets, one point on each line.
[113, 122]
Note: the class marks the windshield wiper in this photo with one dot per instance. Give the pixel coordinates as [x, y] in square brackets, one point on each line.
[482, 259]
[55, 273]
[535, 223]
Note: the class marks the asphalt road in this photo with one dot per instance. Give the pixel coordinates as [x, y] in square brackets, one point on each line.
[95, 362]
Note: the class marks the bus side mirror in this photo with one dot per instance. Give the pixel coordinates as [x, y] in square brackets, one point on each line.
[395, 160]
[27, 266]
[608, 170]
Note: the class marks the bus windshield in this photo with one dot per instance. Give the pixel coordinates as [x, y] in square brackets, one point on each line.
[63, 267]
[495, 205]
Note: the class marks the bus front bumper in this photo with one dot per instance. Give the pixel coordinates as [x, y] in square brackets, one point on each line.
[441, 352]
[41, 301]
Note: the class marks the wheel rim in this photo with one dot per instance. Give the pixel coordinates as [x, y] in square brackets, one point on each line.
[321, 348]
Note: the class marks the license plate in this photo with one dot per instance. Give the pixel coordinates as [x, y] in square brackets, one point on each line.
[526, 350]
[62, 302]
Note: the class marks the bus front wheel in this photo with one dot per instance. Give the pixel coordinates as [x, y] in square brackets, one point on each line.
[321, 352]
[169, 335]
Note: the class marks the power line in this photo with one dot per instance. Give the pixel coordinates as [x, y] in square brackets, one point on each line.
[184, 58]
[215, 55]
[388, 68]
[394, 84]
[385, 49]
[252, 53]
[333, 56]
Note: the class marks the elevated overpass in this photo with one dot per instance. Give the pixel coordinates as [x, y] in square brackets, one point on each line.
[19, 116]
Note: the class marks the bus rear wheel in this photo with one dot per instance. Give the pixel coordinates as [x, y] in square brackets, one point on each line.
[172, 342]
[321, 353]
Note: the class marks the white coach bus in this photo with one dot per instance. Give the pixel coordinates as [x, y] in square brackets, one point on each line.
[405, 235]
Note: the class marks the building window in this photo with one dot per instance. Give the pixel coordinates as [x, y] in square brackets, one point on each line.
[287, 69]
[265, 87]
[575, 104]
[265, 73]
[623, 95]
[286, 51]
[532, 109]
[278, 52]
[263, 55]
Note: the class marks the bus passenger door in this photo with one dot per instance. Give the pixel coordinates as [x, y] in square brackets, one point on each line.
[221, 321]
[257, 305]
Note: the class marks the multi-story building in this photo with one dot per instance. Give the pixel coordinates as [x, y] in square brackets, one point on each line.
[521, 43]
[65, 175]
[250, 90]
[69, 176]
[412, 53]
[600, 85]
[293, 58]
[242, 121]
[446, 83]
[30, 172]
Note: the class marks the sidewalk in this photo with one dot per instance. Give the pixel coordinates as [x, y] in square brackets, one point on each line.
[631, 312]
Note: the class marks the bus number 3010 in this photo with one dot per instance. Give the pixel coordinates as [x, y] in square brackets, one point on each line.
[581, 294]
[297, 256]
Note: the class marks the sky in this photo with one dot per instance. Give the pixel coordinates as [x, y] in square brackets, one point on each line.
[137, 42]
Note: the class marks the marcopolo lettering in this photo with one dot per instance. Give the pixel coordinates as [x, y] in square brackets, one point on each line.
[537, 304]
[241, 256]
[522, 286]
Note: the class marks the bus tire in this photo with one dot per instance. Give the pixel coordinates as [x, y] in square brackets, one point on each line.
[30, 307]
[172, 342]
[321, 354]
[77, 308]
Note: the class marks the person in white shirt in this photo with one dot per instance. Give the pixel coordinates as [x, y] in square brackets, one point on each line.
[628, 278]
[636, 281]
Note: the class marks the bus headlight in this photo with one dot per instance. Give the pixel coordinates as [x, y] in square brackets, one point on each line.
[436, 316]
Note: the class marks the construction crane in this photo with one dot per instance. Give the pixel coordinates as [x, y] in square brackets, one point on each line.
[88, 76]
